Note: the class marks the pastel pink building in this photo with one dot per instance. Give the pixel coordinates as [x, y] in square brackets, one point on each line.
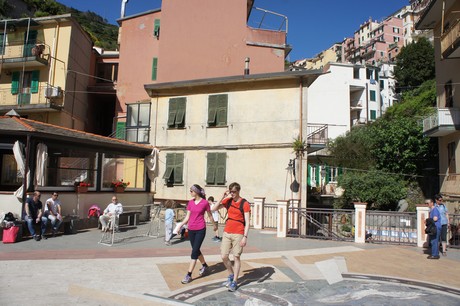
[193, 39]
[375, 42]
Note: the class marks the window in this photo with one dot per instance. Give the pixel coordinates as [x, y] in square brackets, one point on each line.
[382, 84]
[356, 72]
[373, 114]
[138, 122]
[154, 68]
[372, 95]
[449, 94]
[65, 166]
[174, 169]
[396, 39]
[215, 172]
[451, 158]
[156, 28]
[30, 39]
[24, 84]
[395, 30]
[332, 174]
[217, 112]
[129, 169]
[176, 114]
[11, 178]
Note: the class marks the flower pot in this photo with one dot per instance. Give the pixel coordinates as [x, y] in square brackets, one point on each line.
[81, 189]
[119, 189]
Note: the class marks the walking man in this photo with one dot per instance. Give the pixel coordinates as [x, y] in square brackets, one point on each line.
[235, 236]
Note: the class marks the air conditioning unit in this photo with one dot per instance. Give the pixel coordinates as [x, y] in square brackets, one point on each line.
[52, 92]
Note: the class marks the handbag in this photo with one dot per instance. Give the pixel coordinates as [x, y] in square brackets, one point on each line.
[10, 234]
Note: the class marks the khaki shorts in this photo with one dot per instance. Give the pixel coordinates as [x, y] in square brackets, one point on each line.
[231, 243]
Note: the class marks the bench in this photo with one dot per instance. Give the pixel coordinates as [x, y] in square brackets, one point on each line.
[130, 217]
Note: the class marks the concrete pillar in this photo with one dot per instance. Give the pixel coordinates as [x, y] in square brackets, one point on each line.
[294, 217]
[258, 213]
[360, 222]
[423, 212]
[282, 218]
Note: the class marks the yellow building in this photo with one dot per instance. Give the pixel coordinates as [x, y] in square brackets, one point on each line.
[44, 69]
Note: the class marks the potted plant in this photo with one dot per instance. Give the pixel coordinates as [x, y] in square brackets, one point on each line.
[82, 186]
[119, 185]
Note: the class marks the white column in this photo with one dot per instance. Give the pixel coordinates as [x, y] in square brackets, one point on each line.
[360, 222]
[423, 212]
[295, 203]
[258, 213]
[282, 218]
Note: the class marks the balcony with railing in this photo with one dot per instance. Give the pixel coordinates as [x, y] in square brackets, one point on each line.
[18, 55]
[45, 98]
[443, 122]
[450, 41]
[317, 135]
[268, 29]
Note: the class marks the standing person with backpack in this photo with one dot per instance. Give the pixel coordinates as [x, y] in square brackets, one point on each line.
[236, 230]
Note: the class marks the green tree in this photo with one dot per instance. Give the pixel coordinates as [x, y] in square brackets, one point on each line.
[414, 64]
[379, 189]
[5, 8]
[394, 144]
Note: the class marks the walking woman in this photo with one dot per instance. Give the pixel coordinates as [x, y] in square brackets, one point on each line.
[196, 208]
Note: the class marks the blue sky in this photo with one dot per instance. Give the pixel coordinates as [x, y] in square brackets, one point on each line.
[313, 25]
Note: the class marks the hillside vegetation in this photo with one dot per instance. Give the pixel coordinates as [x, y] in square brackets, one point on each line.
[102, 33]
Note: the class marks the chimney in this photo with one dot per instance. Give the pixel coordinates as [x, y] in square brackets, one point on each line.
[123, 7]
[246, 66]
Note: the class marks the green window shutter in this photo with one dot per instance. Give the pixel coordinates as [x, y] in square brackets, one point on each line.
[309, 169]
[222, 110]
[121, 130]
[178, 168]
[221, 167]
[170, 159]
[156, 28]
[154, 68]
[211, 168]
[35, 81]
[15, 82]
[373, 95]
[180, 117]
[373, 114]
[172, 112]
[317, 178]
[328, 174]
[212, 111]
